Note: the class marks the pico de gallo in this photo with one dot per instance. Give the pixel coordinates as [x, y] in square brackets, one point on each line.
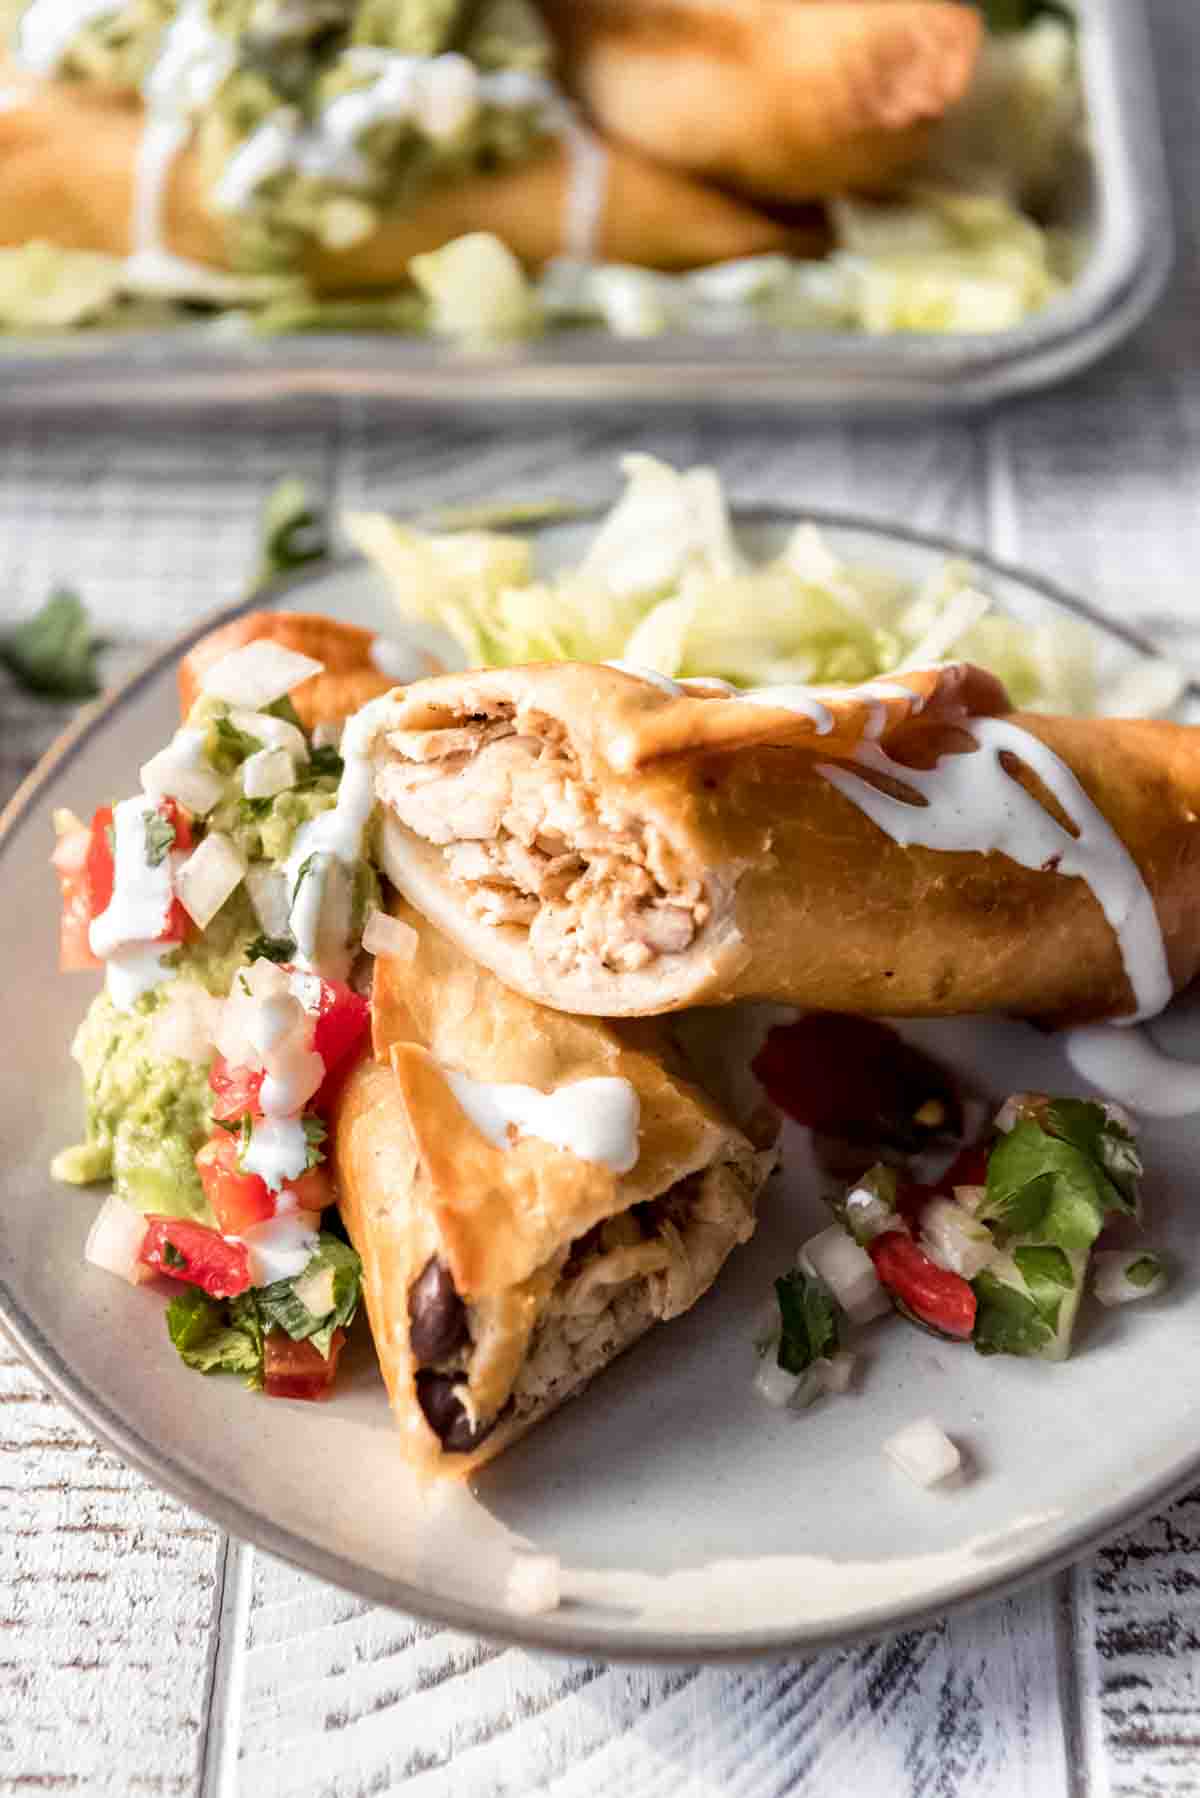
[226, 903]
[994, 1251]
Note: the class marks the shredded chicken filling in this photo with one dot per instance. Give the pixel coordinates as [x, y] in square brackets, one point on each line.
[534, 847]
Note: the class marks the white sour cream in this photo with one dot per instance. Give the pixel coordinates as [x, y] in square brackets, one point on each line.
[972, 805]
[282, 1247]
[319, 905]
[1126, 1066]
[277, 1151]
[142, 894]
[801, 700]
[597, 1120]
[182, 771]
[134, 971]
[49, 26]
[651, 675]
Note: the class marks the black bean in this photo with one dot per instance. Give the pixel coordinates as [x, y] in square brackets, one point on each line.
[446, 1414]
[437, 1316]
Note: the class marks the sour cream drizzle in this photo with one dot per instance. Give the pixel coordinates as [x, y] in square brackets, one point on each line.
[1125, 1065]
[972, 804]
[142, 893]
[597, 1120]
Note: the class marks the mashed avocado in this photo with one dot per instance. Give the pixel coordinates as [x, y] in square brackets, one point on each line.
[147, 1114]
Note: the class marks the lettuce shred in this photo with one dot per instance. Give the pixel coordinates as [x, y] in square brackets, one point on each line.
[664, 585]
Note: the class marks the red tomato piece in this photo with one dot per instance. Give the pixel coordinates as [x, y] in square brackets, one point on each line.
[313, 1190]
[935, 1296]
[340, 1027]
[235, 1091]
[238, 1199]
[192, 1252]
[296, 1369]
[70, 865]
[98, 868]
[857, 1079]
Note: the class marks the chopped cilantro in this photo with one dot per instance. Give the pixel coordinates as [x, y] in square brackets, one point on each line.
[325, 760]
[305, 869]
[226, 1336]
[160, 837]
[271, 948]
[314, 1135]
[294, 531]
[1007, 1321]
[1055, 1181]
[283, 708]
[209, 1338]
[810, 1321]
[54, 652]
[172, 1256]
[250, 810]
[1047, 1275]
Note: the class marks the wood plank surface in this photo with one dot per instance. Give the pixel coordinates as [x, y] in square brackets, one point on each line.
[141, 1652]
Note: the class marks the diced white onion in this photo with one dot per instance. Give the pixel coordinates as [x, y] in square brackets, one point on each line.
[955, 1240]
[837, 1373]
[1110, 1281]
[272, 733]
[267, 772]
[180, 771]
[115, 1242]
[971, 1198]
[208, 876]
[281, 1247]
[186, 1022]
[258, 674]
[849, 1273]
[267, 887]
[774, 1383]
[924, 1452]
[389, 936]
[534, 1585]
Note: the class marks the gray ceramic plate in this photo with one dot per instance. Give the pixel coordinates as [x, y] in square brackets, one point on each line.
[692, 1521]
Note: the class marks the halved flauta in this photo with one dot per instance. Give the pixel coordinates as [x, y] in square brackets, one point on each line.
[637, 211]
[789, 99]
[529, 1193]
[621, 844]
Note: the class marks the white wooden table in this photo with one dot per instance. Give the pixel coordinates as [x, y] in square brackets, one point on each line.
[143, 1652]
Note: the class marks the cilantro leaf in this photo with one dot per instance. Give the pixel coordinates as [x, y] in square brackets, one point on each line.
[811, 1323]
[314, 1135]
[160, 837]
[271, 948]
[331, 1281]
[1015, 15]
[1095, 1133]
[1050, 1190]
[212, 1338]
[283, 708]
[54, 652]
[1047, 1274]
[325, 760]
[294, 531]
[172, 1256]
[304, 870]
[1007, 1322]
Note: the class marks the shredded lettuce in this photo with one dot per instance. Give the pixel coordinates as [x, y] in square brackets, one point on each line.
[663, 585]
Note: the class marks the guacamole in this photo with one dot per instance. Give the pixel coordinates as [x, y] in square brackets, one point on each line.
[147, 1114]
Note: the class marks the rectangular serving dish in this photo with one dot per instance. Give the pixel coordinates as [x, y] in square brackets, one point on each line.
[1122, 214]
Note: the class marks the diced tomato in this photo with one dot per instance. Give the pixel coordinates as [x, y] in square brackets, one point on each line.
[858, 1080]
[70, 865]
[313, 1190]
[99, 870]
[235, 1091]
[296, 1369]
[340, 1029]
[238, 1199]
[935, 1296]
[99, 864]
[192, 1252]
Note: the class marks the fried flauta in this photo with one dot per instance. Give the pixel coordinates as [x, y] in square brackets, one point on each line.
[787, 99]
[529, 1193]
[636, 210]
[622, 845]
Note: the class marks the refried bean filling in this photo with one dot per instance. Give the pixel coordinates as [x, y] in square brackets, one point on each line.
[533, 847]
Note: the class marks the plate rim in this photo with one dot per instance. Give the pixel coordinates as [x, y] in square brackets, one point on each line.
[556, 1632]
